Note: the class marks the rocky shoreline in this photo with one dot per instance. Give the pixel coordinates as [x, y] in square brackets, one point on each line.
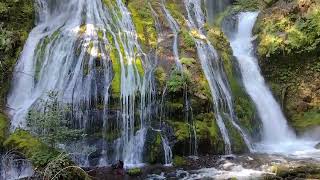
[260, 166]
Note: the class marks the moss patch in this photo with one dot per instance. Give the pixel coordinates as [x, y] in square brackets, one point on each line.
[3, 128]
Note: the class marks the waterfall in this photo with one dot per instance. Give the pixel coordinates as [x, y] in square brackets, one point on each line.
[70, 52]
[167, 151]
[175, 29]
[214, 73]
[277, 136]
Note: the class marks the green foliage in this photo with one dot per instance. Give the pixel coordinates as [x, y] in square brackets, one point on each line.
[50, 123]
[305, 120]
[16, 20]
[247, 5]
[181, 130]
[290, 34]
[160, 76]
[178, 81]
[187, 40]
[179, 161]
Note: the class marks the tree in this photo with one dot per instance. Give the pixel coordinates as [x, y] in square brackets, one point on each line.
[50, 123]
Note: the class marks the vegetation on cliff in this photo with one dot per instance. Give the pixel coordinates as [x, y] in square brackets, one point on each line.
[16, 20]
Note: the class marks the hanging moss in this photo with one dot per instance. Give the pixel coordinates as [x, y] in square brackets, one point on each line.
[154, 152]
[144, 23]
[208, 134]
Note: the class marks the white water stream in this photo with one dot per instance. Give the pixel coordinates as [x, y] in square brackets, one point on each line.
[175, 29]
[277, 136]
[214, 73]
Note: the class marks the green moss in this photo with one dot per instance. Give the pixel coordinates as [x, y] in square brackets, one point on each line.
[161, 78]
[179, 161]
[144, 23]
[288, 33]
[134, 172]
[187, 40]
[114, 56]
[39, 153]
[181, 131]
[3, 128]
[237, 142]
[178, 81]
[206, 127]
[155, 149]
[306, 120]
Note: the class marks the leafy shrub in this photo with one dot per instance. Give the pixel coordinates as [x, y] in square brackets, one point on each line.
[50, 123]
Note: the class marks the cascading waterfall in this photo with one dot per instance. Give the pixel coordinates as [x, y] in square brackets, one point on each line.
[174, 26]
[69, 52]
[275, 128]
[175, 29]
[167, 151]
[214, 73]
[277, 136]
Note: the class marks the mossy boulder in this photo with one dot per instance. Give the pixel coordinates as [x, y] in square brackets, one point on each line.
[305, 171]
[134, 172]
[39, 153]
[153, 149]
[208, 134]
[43, 157]
[179, 161]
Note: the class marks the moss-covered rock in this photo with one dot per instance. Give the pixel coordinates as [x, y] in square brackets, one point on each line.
[47, 161]
[208, 134]
[134, 172]
[39, 153]
[153, 150]
[310, 171]
[144, 23]
[179, 161]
